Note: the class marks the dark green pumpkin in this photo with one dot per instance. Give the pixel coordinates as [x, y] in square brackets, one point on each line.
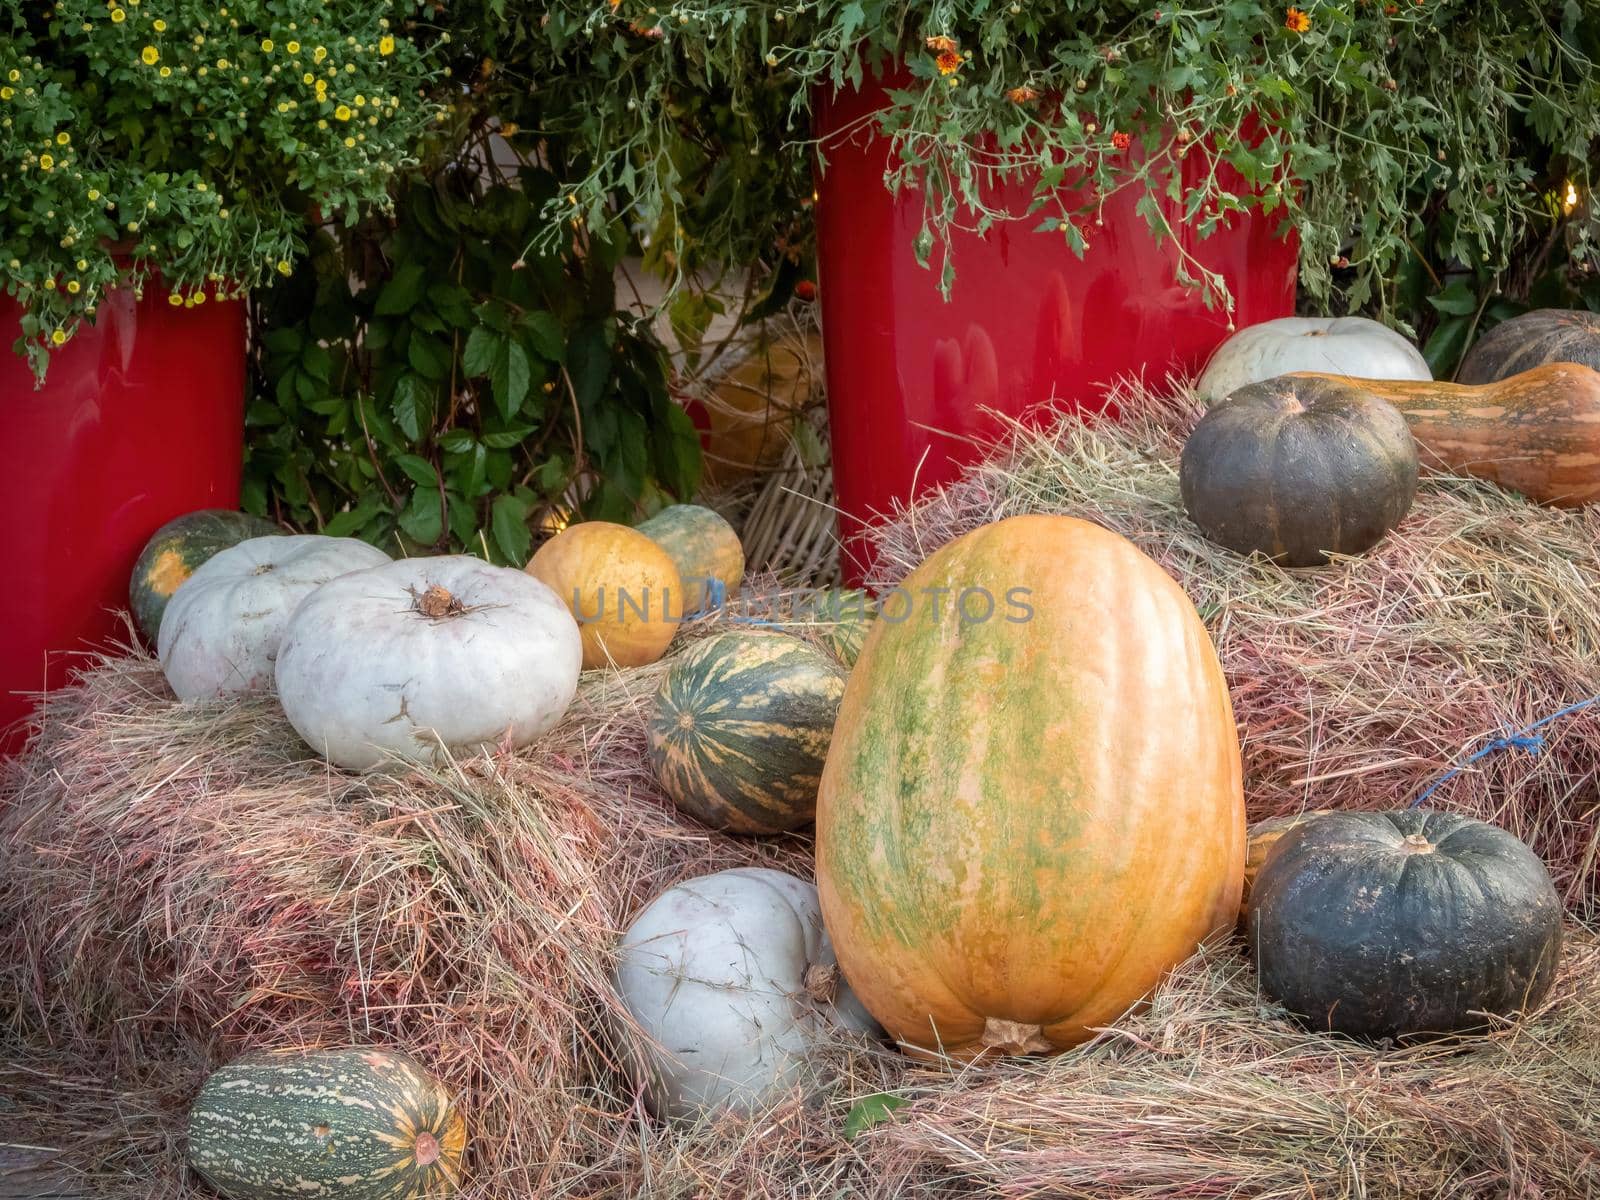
[1411, 922]
[741, 728]
[355, 1124]
[1297, 468]
[176, 550]
[1545, 335]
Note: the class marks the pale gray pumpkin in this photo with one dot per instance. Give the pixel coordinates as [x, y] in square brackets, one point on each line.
[1332, 345]
[427, 655]
[220, 633]
[732, 979]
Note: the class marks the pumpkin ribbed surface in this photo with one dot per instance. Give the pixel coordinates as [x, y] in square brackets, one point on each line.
[623, 589]
[1388, 924]
[1297, 468]
[1026, 820]
[358, 1124]
[706, 550]
[1537, 433]
[741, 727]
[1545, 335]
[175, 551]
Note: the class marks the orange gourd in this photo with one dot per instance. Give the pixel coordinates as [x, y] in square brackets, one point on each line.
[623, 589]
[1537, 433]
[1025, 820]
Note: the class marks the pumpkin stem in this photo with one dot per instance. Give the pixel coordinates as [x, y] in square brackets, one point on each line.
[821, 982]
[1415, 843]
[437, 603]
[1013, 1037]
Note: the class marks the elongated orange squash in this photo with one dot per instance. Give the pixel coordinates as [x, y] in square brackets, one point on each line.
[1537, 433]
[1032, 804]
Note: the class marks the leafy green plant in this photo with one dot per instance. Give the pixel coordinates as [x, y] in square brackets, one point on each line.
[188, 141]
[427, 385]
[1339, 116]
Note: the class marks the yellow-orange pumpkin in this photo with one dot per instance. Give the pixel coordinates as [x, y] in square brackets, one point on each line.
[1025, 820]
[621, 586]
[1537, 433]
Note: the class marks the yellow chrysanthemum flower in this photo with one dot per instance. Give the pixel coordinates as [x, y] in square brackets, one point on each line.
[320, 53]
[342, 113]
[166, 72]
[174, 299]
[13, 75]
[293, 47]
[47, 162]
[58, 336]
[308, 79]
[266, 45]
[200, 187]
[63, 138]
[386, 46]
[159, 25]
[283, 106]
[284, 268]
[118, 16]
[150, 55]
[349, 141]
[6, 93]
[74, 286]
[82, 264]
[94, 194]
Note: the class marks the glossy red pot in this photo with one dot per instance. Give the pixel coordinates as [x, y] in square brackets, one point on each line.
[910, 375]
[141, 418]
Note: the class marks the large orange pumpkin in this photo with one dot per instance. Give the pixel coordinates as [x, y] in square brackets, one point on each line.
[621, 586]
[1025, 820]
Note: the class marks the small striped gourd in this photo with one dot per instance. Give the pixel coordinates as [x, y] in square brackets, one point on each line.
[706, 549]
[741, 729]
[351, 1124]
[842, 623]
[176, 550]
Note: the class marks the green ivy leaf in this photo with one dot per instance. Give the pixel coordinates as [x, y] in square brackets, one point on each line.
[510, 376]
[402, 292]
[871, 1110]
[545, 335]
[412, 405]
[422, 519]
[418, 469]
[509, 520]
[483, 344]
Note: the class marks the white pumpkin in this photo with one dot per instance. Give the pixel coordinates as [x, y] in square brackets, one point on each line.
[1334, 345]
[222, 627]
[427, 654]
[732, 978]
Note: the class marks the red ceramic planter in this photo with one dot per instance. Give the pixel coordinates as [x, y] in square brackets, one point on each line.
[141, 418]
[910, 376]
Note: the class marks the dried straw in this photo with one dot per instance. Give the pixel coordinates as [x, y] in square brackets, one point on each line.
[1357, 684]
[178, 885]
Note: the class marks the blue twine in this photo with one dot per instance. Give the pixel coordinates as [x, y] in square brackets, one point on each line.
[1523, 739]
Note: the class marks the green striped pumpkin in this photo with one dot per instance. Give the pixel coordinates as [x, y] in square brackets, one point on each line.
[176, 550]
[705, 549]
[842, 621]
[354, 1124]
[741, 728]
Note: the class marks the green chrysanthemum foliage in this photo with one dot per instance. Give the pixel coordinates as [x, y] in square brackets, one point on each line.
[191, 141]
[1358, 121]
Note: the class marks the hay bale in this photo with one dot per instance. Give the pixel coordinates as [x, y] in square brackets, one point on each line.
[197, 869]
[1358, 684]
[178, 885]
